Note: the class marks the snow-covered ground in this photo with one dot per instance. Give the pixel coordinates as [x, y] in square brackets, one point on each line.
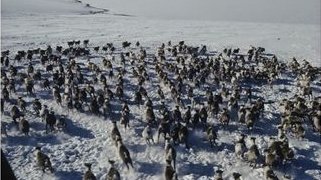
[27, 31]
[38, 23]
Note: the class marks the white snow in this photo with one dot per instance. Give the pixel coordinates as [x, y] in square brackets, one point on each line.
[38, 23]
[273, 11]
[41, 7]
[32, 31]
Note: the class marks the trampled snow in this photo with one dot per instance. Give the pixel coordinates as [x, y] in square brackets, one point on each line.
[38, 23]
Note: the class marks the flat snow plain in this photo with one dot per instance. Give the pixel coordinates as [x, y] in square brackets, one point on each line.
[38, 23]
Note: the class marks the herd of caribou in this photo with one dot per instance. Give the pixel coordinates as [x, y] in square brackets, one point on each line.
[179, 73]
